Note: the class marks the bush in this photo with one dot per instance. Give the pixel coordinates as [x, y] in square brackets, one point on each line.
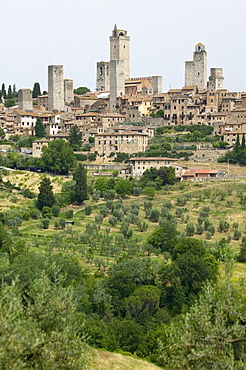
[154, 215]
[237, 234]
[190, 229]
[55, 210]
[46, 212]
[112, 221]
[35, 214]
[62, 223]
[88, 210]
[69, 213]
[27, 193]
[44, 223]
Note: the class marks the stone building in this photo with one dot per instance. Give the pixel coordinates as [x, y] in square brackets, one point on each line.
[25, 100]
[114, 142]
[140, 164]
[196, 70]
[55, 88]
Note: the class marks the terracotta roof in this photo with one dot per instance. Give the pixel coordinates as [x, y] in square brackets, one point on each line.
[200, 44]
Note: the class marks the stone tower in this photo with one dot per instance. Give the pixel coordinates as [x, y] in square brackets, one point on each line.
[196, 70]
[117, 82]
[68, 91]
[103, 76]
[216, 79]
[55, 88]
[25, 99]
[120, 49]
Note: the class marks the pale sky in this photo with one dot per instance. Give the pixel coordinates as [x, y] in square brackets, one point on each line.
[75, 33]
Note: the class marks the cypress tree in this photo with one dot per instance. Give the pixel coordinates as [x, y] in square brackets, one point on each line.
[237, 145]
[80, 178]
[75, 137]
[36, 90]
[39, 128]
[243, 142]
[45, 196]
[4, 91]
[9, 96]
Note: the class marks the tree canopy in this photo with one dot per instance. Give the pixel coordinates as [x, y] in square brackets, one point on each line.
[58, 157]
[81, 90]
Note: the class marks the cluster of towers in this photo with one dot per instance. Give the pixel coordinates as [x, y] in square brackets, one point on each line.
[60, 91]
[112, 75]
[196, 71]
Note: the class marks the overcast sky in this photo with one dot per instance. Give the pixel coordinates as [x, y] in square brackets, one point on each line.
[75, 33]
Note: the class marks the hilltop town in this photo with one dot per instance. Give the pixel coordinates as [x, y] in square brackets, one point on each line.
[122, 221]
[122, 115]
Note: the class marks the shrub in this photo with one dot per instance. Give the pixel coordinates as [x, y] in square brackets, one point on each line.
[190, 229]
[69, 213]
[55, 210]
[237, 234]
[88, 210]
[62, 223]
[46, 212]
[44, 223]
[35, 214]
[154, 215]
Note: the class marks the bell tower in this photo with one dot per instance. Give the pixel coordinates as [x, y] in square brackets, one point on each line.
[120, 49]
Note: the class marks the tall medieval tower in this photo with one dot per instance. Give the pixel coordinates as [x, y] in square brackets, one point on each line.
[119, 65]
[120, 49]
[196, 70]
[55, 88]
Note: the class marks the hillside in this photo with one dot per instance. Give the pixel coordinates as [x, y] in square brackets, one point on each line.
[114, 361]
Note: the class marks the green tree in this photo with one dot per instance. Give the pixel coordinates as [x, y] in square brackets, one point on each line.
[237, 146]
[123, 187]
[212, 334]
[36, 90]
[81, 90]
[58, 157]
[4, 91]
[164, 237]
[45, 196]
[145, 297]
[39, 128]
[80, 178]
[75, 137]
[243, 142]
[9, 95]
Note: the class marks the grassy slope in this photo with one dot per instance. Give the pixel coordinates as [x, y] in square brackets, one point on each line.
[113, 361]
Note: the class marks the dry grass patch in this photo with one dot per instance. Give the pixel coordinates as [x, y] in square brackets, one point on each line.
[115, 361]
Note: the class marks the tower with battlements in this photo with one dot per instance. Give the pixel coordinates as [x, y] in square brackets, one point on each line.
[196, 70]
